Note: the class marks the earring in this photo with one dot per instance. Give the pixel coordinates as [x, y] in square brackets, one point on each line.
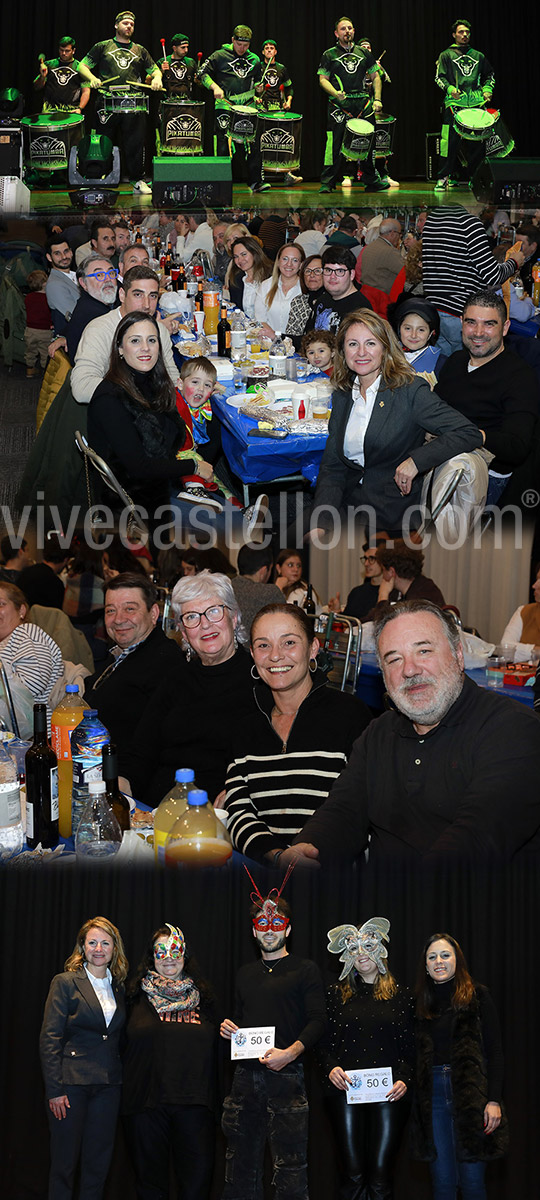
[188, 651]
[312, 666]
[254, 673]
[235, 640]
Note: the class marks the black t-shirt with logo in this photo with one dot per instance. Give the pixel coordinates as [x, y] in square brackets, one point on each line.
[276, 78]
[236, 74]
[130, 62]
[63, 84]
[178, 80]
[347, 67]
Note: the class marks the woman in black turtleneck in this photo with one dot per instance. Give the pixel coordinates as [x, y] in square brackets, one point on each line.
[457, 1124]
[133, 422]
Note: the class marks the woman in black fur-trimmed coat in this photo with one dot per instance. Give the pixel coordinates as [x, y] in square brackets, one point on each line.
[457, 1124]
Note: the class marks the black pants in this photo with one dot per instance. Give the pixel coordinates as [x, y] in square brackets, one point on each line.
[334, 162]
[368, 1137]
[188, 1131]
[266, 1104]
[451, 144]
[252, 154]
[127, 130]
[87, 1132]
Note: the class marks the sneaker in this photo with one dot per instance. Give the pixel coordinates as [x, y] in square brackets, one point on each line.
[142, 187]
[325, 188]
[441, 185]
[375, 185]
[389, 181]
[291, 179]
[254, 517]
[260, 187]
[198, 495]
[346, 181]
[457, 183]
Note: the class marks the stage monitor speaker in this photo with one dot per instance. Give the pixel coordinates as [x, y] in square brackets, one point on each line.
[433, 150]
[10, 147]
[508, 180]
[185, 181]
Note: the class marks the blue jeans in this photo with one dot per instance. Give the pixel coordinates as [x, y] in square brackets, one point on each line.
[449, 339]
[446, 1172]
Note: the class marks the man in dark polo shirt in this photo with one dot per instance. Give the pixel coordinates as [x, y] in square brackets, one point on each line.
[140, 660]
[450, 774]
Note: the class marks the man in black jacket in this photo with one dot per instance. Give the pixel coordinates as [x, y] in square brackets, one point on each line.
[141, 658]
[449, 774]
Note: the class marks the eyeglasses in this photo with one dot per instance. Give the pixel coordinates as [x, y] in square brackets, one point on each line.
[339, 272]
[313, 271]
[101, 275]
[368, 558]
[286, 259]
[214, 615]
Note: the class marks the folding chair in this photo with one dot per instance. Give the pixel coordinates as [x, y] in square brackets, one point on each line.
[341, 645]
[135, 525]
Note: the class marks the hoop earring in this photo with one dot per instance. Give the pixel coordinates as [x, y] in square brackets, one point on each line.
[312, 666]
[255, 676]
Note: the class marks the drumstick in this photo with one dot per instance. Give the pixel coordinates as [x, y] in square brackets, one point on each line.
[104, 81]
[41, 57]
[146, 85]
[162, 40]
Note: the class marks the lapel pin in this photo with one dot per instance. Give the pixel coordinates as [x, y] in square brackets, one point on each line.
[381, 403]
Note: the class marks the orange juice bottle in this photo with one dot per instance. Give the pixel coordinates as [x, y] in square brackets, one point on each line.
[211, 308]
[536, 283]
[198, 838]
[65, 718]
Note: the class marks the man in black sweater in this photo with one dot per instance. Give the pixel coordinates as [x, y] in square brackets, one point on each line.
[449, 774]
[140, 660]
[268, 1094]
[341, 295]
[493, 387]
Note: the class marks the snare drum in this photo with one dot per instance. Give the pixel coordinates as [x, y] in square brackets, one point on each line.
[48, 139]
[384, 135]
[121, 99]
[473, 124]
[182, 126]
[500, 142]
[357, 139]
[237, 121]
[281, 140]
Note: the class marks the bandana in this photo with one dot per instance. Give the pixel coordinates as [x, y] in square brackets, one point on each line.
[366, 939]
[126, 13]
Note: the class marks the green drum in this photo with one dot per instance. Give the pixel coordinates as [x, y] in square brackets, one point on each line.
[473, 124]
[281, 140]
[238, 122]
[48, 139]
[357, 139]
[384, 135]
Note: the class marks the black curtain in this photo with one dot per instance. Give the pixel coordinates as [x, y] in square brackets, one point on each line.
[413, 33]
[494, 915]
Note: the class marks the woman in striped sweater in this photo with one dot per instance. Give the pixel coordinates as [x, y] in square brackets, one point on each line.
[290, 752]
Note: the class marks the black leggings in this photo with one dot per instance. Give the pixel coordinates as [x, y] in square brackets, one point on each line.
[368, 1137]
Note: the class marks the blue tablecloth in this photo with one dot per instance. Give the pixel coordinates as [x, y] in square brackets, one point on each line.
[370, 687]
[260, 460]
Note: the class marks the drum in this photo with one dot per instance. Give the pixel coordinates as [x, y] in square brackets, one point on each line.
[357, 139]
[500, 142]
[473, 124]
[281, 140]
[48, 139]
[238, 121]
[121, 99]
[384, 135]
[182, 126]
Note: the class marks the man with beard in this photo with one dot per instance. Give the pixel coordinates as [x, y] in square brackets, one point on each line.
[467, 80]
[177, 69]
[449, 774]
[268, 1096]
[60, 80]
[342, 71]
[233, 73]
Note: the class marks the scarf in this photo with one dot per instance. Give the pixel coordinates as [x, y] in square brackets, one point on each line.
[170, 995]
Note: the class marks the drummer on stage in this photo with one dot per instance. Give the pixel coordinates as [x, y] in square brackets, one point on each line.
[467, 80]
[61, 80]
[233, 73]
[177, 69]
[275, 91]
[341, 75]
[365, 44]
[119, 60]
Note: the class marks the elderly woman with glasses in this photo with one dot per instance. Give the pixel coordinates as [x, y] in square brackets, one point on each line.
[193, 725]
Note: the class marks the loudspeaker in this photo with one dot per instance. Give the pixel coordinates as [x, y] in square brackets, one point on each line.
[10, 147]
[502, 180]
[185, 181]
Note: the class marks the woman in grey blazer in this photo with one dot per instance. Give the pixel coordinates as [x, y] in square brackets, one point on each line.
[376, 452]
[79, 1047]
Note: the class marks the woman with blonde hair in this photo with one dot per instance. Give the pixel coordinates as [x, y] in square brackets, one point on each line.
[376, 453]
[273, 300]
[370, 1025]
[79, 1046]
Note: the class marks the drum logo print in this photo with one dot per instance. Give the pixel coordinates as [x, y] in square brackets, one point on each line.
[383, 141]
[243, 128]
[179, 70]
[223, 122]
[359, 143]
[494, 146]
[184, 127]
[350, 62]
[241, 68]
[63, 75]
[123, 58]
[277, 141]
[48, 150]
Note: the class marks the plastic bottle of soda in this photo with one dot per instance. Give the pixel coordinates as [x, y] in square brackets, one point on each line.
[87, 741]
[198, 838]
[67, 715]
[172, 807]
[536, 283]
[11, 830]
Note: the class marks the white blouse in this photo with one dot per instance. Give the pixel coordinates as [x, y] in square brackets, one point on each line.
[104, 993]
[353, 442]
[277, 316]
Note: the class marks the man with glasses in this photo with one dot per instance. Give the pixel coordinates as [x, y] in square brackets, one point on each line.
[268, 1097]
[341, 295]
[97, 282]
[233, 73]
[362, 599]
[140, 660]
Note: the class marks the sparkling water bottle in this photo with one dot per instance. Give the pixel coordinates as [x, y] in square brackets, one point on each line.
[11, 830]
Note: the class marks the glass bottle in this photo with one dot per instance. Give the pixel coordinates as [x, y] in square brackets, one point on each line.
[118, 802]
[41, 768]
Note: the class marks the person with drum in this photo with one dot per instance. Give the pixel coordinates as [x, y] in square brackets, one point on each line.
[232, 74]
[178, 71]
[60, 80]
[341, 75]
[275, 92]
[120, 61]
[466, 78]
[365, 44]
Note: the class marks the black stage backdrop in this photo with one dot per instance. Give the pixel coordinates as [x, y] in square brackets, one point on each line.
[495, 917]
[413, 33]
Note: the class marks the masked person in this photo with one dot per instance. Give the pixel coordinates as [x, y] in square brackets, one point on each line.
[370, 1026]
[268, 1096]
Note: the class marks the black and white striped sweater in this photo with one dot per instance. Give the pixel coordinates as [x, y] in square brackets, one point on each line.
[457, 260]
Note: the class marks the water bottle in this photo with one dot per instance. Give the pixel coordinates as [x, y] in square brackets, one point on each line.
[87, 742]
[198, 838]
[172, 807]
[11, 830]
[277, 357]
[98, 834]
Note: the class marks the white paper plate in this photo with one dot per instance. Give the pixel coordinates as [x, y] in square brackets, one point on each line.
[239, 399]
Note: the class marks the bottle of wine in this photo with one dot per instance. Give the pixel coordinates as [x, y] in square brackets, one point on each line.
[224, 335]
[118, 802]
[309, 603]
[41, 767]
[199, 298]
